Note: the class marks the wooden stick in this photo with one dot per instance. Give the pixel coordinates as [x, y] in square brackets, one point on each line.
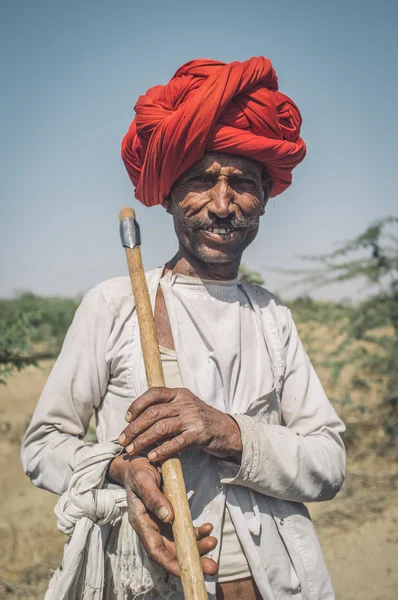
[174, 486]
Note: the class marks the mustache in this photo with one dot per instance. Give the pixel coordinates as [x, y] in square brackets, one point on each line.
[234, 222]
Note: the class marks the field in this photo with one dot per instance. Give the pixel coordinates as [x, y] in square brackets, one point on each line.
[358, 529]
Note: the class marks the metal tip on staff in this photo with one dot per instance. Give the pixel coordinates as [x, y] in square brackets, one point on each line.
[130, 234]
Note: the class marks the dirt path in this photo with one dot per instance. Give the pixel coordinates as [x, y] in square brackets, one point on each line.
[358, 530]
[363, 560]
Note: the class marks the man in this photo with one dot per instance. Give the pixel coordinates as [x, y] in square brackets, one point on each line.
[243, 406]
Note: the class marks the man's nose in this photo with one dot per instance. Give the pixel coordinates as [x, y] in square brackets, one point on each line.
[221, 203]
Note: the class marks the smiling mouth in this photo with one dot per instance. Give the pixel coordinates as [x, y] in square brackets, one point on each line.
[224, 234]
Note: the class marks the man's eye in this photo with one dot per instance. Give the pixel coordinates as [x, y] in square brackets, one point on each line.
[244, 181]
[201, 179]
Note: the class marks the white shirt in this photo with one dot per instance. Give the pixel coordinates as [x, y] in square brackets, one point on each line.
[292, 447]
[232, 563]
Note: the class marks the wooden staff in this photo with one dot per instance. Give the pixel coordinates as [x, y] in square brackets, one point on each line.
[174, 486]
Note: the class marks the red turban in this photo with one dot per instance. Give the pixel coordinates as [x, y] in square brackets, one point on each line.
[208, 105]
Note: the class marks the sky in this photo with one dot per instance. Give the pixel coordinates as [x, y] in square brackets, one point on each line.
[72, 71]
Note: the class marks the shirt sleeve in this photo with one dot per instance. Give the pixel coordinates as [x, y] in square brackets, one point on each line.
[303, 459]
[53, 443]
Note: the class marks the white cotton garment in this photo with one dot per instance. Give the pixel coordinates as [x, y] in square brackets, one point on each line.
[291, 436]
[220, 337]
[104, 558]
[232, 563]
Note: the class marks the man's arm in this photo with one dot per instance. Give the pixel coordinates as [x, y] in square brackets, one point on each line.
[179, 420]
[53, 443]
[303, 459]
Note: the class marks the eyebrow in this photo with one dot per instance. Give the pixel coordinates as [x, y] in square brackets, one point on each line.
[250, 176]
[241, 176]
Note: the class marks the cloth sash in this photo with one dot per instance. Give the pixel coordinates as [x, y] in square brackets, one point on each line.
[104, 557]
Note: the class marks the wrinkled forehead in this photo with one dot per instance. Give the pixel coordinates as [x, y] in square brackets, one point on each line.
[218, 162]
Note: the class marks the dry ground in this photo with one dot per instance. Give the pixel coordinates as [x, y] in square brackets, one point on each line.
[358, 529]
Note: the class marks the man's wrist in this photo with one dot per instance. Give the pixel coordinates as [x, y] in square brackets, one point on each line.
[115, 471]
[230, 444]
[236, 442]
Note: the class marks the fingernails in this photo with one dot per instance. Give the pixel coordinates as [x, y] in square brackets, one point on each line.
[122, 438]
[152, 455]
[163, 513]
[130, 448]
[128, 416]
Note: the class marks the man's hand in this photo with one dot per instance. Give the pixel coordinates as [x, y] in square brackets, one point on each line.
[185, 421]
[151, 514]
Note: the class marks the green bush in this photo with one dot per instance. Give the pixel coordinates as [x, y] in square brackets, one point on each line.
[32, 328]
[367, 332]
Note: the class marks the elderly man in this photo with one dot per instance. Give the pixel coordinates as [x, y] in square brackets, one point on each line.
[243, 406]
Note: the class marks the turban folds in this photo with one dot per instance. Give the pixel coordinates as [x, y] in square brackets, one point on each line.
[211, 106]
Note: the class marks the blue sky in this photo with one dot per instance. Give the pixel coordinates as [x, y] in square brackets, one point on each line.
[71, 72]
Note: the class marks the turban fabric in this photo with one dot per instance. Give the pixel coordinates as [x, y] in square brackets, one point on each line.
[207, 105]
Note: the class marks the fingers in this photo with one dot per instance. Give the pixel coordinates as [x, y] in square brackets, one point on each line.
[162, 430]
[151, 415]
[209, 566]
[206, 542]
[203, 531]
[146, 486]
[158, 395]
[172, 447]
[150, 537]
[156, 549]
[207, 545]
[159, 548]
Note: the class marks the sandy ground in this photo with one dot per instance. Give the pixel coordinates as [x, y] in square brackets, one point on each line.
[358, 529]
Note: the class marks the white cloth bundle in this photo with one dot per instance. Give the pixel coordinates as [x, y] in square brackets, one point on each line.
[104, 558]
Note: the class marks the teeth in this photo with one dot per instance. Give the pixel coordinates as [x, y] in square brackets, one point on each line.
[219, 230]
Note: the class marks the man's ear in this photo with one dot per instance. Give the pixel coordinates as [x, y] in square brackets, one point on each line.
[265, 202]
[167, 204]
[267, 183]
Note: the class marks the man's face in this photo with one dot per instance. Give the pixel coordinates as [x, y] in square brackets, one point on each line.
[216, 206]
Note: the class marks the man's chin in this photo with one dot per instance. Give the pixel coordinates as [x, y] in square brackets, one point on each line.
[217, 257]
